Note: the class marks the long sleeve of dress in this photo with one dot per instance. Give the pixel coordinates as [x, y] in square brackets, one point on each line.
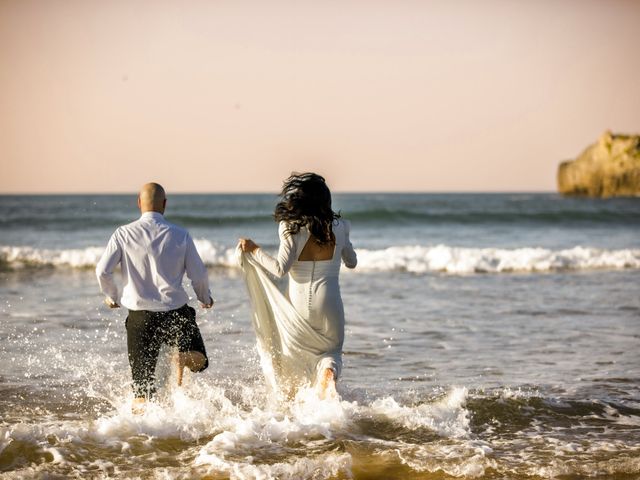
[348, 253]
[197, 272]
[287, 252]
[107, 264]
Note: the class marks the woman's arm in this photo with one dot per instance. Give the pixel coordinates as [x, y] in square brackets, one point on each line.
[287, 251]
[348, 253]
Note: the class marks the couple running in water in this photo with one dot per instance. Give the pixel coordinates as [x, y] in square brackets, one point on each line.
[300, 334]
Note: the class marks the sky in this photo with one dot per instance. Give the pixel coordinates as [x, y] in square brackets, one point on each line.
[232, 96]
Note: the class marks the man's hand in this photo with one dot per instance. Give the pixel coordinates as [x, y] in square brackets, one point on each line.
[207, 305]
[110, 303]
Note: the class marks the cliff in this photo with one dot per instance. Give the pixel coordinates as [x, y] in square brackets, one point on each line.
[608, 168]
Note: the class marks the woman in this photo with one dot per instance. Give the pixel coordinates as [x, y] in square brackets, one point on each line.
[313, 243]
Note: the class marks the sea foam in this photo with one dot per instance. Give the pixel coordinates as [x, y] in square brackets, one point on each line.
[408, 258]
[241, 434]
[444, 258]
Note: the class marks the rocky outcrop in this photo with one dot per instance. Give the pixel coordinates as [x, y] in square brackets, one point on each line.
[608, 168]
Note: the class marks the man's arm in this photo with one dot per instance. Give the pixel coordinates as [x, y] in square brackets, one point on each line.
[197, 273]
[104, 271]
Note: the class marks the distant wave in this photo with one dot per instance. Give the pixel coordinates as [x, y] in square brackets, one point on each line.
[467, 217]
[20, 256]
[443, 258]
[69, 221]
[414, 259]
[72, 222]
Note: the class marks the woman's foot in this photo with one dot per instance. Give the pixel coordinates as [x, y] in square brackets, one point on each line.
[326, 386]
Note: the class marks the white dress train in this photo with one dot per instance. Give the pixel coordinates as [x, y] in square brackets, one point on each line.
[299, 334]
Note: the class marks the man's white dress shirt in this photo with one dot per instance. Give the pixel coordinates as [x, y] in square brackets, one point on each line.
[154, 255]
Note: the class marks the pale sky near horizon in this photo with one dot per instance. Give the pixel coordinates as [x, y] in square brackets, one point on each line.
[231, 96]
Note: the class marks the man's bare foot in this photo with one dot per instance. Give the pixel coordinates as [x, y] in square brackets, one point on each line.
[139, 405]
[194, 361]
[326, 386]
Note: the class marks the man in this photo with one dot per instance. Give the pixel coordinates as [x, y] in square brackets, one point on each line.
[154, 255]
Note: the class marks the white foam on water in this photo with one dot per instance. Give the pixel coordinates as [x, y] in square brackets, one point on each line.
[469, 460]
[5, 438]
[540, 452]
[508, 393]
[621, 466]
[215, 255]
[238, 431]
[443, 258]
[448, 416]
[613, 415]
[412, 258]
[19, 256]
[241, 439]
[307, 419]
[180, 415]
[313, 467]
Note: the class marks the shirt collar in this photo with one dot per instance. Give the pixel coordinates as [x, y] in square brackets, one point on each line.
[155, 215]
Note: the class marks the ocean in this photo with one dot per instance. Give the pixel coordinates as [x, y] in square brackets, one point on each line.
[487, 336]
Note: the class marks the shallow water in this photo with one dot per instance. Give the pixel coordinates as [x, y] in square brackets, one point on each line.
[495, 370]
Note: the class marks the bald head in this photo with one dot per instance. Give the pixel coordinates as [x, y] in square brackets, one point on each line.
[152, 198]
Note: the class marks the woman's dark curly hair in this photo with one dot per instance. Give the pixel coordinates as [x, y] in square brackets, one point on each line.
[306, 202]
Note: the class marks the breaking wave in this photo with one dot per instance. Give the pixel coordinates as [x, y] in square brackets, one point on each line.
[414, 259]
[443, 258]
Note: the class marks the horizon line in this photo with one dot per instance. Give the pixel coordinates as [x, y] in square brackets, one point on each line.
[264, 192]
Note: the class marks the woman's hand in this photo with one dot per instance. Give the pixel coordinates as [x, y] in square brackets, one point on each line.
[247, 245]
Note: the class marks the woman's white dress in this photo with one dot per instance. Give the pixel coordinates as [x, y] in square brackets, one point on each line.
[299, 334]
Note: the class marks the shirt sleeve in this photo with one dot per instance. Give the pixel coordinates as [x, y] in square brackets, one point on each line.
[197, 272]
[106, 265]
[348, 253]
[287, 251]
